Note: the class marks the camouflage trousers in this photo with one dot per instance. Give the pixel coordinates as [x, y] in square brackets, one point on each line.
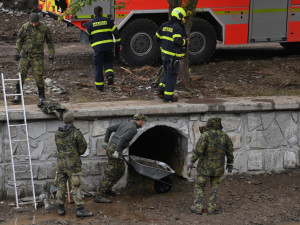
[74, 184]
[113, 172]
[199, 191]
[37, 65]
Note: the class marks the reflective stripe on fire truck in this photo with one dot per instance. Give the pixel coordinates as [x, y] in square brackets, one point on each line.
[172, 53]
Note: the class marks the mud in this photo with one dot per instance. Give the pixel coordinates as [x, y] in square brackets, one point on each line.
[243, 200]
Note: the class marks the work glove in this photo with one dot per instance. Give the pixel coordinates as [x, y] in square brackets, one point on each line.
[229, 168]
[51, 60]
[116, 154]
[104, 146]
[17, 57]
[190, 166]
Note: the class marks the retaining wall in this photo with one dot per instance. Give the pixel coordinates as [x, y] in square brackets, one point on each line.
[265, 133]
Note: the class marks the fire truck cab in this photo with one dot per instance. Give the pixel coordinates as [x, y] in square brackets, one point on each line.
[231, 22]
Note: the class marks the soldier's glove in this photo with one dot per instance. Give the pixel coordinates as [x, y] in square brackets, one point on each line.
[116, 154]
[17, 57]
[51, 60]
[190, 166]
[104, 146]
[229, 168]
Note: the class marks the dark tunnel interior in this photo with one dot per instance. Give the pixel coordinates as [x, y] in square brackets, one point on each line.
[164, 144]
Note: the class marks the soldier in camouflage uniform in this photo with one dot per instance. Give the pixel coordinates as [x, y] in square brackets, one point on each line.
[30, 53]
[70, 145]
[211, 149]
[115, 168]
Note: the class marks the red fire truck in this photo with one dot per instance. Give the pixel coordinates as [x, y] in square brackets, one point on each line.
[228, 21]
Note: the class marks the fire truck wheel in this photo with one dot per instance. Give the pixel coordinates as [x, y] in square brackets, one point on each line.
[203, 41]
[139, 48]
[292, 46]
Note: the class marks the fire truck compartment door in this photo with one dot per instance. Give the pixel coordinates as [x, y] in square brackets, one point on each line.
[268, 20]
[88, 10]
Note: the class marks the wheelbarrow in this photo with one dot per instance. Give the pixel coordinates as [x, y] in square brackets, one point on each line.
[153, 169]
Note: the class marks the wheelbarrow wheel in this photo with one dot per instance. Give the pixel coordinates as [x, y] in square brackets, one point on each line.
[163, 187]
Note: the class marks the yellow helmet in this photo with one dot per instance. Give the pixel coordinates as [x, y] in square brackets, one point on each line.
[179, 13]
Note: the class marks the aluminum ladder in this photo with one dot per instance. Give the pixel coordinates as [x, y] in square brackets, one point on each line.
[23, 126]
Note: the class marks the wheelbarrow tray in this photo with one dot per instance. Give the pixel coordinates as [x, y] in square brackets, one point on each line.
[150, 168]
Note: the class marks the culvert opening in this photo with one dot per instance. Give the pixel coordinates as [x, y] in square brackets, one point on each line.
[164, 144]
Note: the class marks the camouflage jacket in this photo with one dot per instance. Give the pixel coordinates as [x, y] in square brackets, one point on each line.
[50, 107]
[31, 40]
[70, 145]
[211, 149]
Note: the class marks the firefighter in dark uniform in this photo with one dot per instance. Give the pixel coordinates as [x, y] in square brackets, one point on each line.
[173, 42]
[101, 31]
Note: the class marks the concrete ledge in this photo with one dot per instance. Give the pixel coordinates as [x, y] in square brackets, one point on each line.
[156, 107]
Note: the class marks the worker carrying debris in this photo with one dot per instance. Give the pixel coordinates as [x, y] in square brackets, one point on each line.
[70, 145]
[30, 53]
[115, 168]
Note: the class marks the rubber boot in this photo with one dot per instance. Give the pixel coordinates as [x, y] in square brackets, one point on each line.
[82, 212]
[41, 94]
[101, 199]
[110, 193]
[61, 210]
[17, 98]
[170, 98]
[110, 80]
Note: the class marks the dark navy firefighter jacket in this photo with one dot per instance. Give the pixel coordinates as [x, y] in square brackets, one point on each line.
[173, 39]
[101, 31]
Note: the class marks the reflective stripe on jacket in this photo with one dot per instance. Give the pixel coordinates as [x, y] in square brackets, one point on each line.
[173, 39]
[101, 31]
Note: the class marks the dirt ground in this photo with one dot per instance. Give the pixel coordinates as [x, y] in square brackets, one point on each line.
[256, 70]
[243, 200]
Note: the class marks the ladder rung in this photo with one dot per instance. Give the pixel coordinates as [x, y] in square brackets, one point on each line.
[22, 171]
[17, 125]
[11, 79]
[19, 140]
[11, 110]
[13, 94]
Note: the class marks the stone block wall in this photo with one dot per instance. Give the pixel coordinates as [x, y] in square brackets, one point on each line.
[263, 142]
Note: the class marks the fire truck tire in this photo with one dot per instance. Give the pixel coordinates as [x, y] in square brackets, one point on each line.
[293, 46]
[138, 45]
[203, 41]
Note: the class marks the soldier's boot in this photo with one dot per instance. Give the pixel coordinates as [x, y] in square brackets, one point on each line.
[82, 212]
[194, 209]
[61, 210]
[17, 98]
[110, 192]
[110, 80]
[41, 94]
[170, 98]
[101, 199]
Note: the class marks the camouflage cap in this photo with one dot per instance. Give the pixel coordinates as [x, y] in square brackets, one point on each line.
[140, 117]
[68, 118]
[34, 18]
[214, 122]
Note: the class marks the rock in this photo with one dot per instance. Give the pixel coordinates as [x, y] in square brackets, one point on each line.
[48, 82]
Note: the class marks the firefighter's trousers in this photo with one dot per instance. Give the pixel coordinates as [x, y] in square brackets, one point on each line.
[103, 59]
[168, 81]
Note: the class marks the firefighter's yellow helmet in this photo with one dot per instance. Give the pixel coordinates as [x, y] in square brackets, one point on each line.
[179, 13]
